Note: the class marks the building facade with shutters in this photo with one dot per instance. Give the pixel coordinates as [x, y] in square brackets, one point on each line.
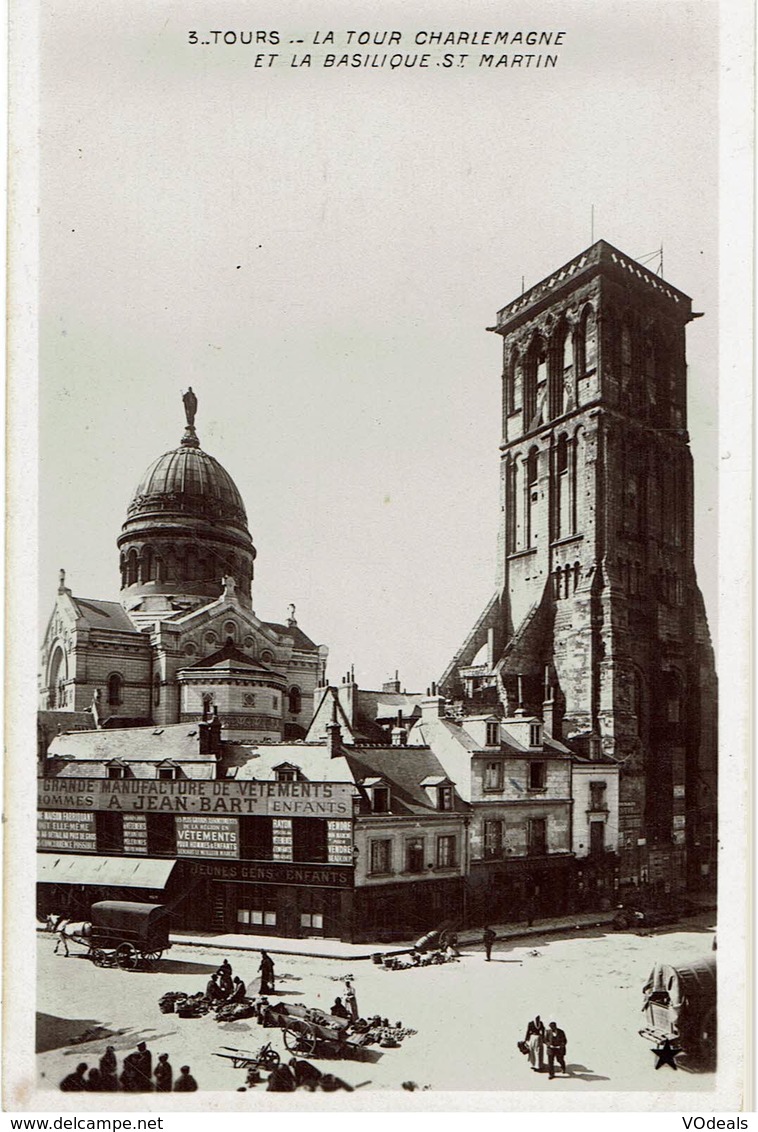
[271, 839]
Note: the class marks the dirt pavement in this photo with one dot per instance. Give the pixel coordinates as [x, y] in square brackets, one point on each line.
[468, 1015]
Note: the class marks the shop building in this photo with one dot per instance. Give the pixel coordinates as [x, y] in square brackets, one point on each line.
[272, 839]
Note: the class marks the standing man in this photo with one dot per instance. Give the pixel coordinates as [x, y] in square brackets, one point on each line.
[267, 973]
[185, 1082]
[488, 939]
[555, 1040]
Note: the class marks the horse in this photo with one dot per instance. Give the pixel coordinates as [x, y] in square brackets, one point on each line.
[65, 929]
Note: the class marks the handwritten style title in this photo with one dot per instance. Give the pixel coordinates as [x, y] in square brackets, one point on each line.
[399, 50]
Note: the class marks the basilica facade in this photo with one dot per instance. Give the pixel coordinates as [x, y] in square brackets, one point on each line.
[183, 642]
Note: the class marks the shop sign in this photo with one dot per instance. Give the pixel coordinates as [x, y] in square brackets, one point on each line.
[207, 837]
[74, 833]
[135, 833]
[271, 872]
[679, 791]
[142, 795]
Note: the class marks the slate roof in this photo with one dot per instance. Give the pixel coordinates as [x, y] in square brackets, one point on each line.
[179, 741]
[300, 639]
[404, 768]
[98, 614]
[229, 658]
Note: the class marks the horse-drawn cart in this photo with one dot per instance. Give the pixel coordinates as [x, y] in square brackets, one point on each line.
[310, 1032]
[123, 933]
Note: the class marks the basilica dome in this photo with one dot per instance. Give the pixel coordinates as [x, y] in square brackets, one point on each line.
[188, 479]
[185, 530]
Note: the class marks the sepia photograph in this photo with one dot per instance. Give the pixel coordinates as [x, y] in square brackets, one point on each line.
[371, 566]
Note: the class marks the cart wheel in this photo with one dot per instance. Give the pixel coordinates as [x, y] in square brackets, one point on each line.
[270, 1059]
[127, 957]
[98, 957]
[304, 1043]
[444, 939]
[153, 956]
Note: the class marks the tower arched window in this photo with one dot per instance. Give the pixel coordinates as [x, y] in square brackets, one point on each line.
[295, 700]
[532, 496]
[564, 373]
[510, 506]
[115, 689]
[132, 566]
[123, 567]
[156, 690]
[535, 378]
[56, 689]
[512, 391]
[587, 343]
[146, 564]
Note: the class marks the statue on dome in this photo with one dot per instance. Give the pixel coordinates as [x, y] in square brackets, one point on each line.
[190, 407]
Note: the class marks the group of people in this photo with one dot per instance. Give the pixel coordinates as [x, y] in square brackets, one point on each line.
[300, 1074]
[541, 1041]
[137, 1075]
[225, 987]
[222, 987]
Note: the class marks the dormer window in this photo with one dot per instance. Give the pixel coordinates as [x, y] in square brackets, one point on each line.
[378, 795]
[535, 735]
[493, 734]
[380, 800]
[444, 797]
[287, 772]
[117, 769]
[168, 772]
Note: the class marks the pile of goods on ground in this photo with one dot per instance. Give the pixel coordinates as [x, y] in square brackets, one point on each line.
[406, 963]
[379, 1031]
[198, 1005]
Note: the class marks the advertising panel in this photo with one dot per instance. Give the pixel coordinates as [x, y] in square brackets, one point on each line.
[187, 796]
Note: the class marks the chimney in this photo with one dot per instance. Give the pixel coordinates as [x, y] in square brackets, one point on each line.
[210, 734]
[334, 734]
[596, 748]
[433, 707]
[392, 685]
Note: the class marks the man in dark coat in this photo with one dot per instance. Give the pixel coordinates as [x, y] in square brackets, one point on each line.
[555, 1041]
[138, 1071]
[163, 1074]
[75, 1082]
[339, 1010]
[108, 1067]
[239, 992]
[488, 939]
[267, 973]
[185, 1082]
[281, 1080]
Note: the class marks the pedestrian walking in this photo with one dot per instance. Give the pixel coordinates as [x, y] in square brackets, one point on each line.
[535, 1044]
[351, 1000]
[185, 1082]
[555, 1040]
[163, 1074]
[267, 973]
[75, 1082]
[488, 939]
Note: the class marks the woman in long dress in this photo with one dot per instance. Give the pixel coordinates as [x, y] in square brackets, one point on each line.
[535, 1042]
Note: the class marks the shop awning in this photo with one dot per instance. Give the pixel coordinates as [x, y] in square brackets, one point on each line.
[120, 872]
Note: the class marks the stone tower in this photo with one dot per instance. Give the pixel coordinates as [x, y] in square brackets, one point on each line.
[597, 607]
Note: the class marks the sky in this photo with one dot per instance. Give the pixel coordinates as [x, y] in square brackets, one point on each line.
[318, 252]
